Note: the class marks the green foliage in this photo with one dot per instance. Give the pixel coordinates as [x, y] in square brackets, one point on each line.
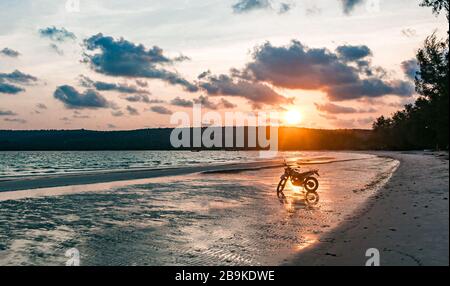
[424, 124]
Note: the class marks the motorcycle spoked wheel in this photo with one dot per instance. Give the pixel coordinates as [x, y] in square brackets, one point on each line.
[281, 185]
[312, 198]
[311, 184]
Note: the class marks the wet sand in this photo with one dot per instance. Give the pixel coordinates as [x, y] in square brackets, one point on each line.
[407, 220]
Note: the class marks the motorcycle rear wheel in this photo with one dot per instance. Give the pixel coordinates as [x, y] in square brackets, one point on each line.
[311, 184]
[281, 185]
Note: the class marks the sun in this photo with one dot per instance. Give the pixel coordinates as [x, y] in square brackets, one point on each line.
[292, 117]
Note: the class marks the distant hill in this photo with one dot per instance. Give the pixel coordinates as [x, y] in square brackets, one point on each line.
[290, 138]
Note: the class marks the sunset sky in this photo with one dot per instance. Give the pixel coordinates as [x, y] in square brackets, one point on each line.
[116, 65]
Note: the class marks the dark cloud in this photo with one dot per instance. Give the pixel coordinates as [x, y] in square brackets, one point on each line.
[9, 88]
[76, 100]
[298, 67]
[105, 86]
[349, 5]
[57, 34]
[132, 110]
[178, 101]
[160, 109]
[124, 58]
[9, 53]
[353, 53]
[153, 101]
[204, 101]
[370, 88]
[8, 81]
[111, 126]
[138, 98]
[18, 77]
[411, 68]
[244, 6]
[284, 8]
[257, 93]
[7, 113]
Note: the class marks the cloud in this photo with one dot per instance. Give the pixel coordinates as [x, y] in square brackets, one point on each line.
[204, 101]
[138, 98]
[7, 113]
[123, 58]
[353, 53]
[56, 49]
[18, 77]
[105, 86]
[9, 88]
[155, 100]
[313, 10]
[75, 100]
[142, 83]
[244, 6]
[284, 8]
[349, 5]
[160, 109]
[57, 34]
[257, 93]
[298, 67]
[15, 120]
[178, 101]
[409, 32]
[370, 88]
[41, 106]
[335, 109]
[9, 53]
[8, 82]
[132, 110]
[411, 68]
[227, 104]
[331, 108]
[117, 113]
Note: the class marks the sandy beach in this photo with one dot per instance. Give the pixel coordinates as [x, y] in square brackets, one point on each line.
[230, 215]
[407, 220]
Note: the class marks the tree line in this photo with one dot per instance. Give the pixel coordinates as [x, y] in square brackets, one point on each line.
[424, 124]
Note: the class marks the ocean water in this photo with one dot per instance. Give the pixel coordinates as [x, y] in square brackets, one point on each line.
[197, 219]
[35, 163]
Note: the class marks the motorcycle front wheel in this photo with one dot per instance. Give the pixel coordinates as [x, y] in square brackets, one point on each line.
[311, 184]
[281, 185]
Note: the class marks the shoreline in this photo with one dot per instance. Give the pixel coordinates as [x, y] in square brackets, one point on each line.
[10, 184]
[52, 181]
[406, 220]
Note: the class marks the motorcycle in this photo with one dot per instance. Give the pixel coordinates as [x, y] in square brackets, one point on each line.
[307, 180]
